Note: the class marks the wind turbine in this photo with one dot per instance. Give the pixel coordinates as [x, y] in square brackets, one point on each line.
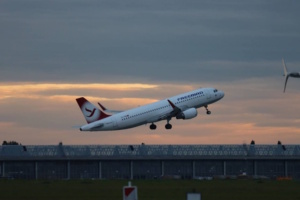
[288, 74]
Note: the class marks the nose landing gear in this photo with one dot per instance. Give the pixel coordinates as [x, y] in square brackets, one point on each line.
[207, 111]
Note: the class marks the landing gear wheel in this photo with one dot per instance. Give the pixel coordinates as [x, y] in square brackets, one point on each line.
[168, 126]
[152, 126]
[207, 111]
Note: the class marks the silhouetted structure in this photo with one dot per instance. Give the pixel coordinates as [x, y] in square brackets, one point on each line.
[148, 161]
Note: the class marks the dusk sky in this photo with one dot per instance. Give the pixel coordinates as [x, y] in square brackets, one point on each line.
[129, 53]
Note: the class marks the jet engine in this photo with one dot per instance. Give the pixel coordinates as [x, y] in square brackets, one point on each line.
[187, 114]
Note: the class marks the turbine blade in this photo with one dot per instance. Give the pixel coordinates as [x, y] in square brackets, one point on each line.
[285, 70]
[286, 79]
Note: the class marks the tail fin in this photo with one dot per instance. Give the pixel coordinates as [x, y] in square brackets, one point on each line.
[284, 68]
[89, 111]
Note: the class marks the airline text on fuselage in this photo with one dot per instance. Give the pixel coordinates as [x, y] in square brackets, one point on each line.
[189, 96]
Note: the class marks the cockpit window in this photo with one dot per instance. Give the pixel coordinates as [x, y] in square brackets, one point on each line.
[215, 90]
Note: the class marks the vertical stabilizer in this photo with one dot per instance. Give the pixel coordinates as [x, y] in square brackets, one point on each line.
[90, 112]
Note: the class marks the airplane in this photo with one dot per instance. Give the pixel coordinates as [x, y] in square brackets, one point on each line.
[183, 106]
[288, 74]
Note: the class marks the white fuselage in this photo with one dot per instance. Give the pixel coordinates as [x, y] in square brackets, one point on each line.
[155, 112]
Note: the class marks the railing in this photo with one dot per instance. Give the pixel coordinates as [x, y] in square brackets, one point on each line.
[110, 151]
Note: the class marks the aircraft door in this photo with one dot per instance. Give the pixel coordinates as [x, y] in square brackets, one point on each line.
[208, 94]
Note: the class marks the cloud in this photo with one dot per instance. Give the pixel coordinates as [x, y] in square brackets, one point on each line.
[251, 109]
[32, 90]
[42, 105]
[130, 53]
[109, 41]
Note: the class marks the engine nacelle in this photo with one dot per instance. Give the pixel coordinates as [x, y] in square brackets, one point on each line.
[187, 114]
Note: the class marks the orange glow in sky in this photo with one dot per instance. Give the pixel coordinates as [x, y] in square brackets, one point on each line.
[45, 113]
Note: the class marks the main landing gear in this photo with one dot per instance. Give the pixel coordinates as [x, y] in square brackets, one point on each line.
[207, 111]
[152, 126]
[167, 126]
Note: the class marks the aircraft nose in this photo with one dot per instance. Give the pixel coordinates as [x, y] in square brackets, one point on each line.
[222, 94]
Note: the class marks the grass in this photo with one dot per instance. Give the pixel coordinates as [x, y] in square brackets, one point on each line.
[150, 189]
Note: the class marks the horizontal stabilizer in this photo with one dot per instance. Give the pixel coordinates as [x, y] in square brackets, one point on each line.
[110, 111]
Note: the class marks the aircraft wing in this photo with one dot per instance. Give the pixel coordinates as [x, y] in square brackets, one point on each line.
[173, 113]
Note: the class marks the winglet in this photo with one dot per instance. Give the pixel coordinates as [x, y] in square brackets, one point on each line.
[176, 110]
[170, 102]
[173, 106]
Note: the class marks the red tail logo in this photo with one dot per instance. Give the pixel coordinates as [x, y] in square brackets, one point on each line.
[90, 112]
